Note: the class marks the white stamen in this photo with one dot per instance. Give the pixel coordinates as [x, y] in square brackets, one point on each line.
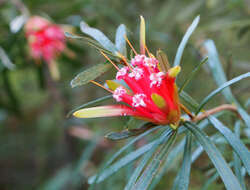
[117, 95]
[137, 60]
[122, 72]
[150, 62]
[156, 79]
[138, 100]
[137, 73]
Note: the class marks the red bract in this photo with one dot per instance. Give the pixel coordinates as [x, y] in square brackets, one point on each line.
[150, 93]
[46, 40]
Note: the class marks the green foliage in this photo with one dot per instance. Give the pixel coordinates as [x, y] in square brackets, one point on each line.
[184, 41]
[127, 159]
[218, 90]
[99, 37]
[234, 141]
[120, 41]
[90, 74]
[43, 147]
[219, 162]
[182, 180]
[151, 169]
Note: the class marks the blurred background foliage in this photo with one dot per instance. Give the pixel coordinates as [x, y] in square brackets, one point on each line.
[43, 149]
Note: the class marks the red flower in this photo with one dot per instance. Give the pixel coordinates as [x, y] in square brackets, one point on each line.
[150, 93]
[46, 40]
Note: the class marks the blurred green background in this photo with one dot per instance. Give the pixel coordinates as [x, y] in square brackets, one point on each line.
[40, 148]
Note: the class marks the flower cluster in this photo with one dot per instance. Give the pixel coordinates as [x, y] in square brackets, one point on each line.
[145, 89]
[150, 94]
[46, 40]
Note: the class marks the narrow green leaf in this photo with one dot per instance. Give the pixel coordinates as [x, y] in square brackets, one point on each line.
[216, 68]
[86, 39]
[216, 138]
[182, 180]
[191, 75]
[120, 41]
[234, 141]
[189, 100]
[90, 74]
[120, 135]
[219, 162]
[91, 103]
[153, 167]
[169, 162]
[95, 178]
[121, 163]
[91, 42]
[98, 36]
[129, 132]
[4, 59]
[220, 78]
[184, 41]
[198, 151]
[175, 154]
[132, 122]
[218, 90]
[237, 161]
[138, 170]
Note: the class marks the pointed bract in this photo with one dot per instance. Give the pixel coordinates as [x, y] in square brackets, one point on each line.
[142, 35]
[103, 111]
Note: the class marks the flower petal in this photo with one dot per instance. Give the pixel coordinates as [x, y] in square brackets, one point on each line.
[103, 111]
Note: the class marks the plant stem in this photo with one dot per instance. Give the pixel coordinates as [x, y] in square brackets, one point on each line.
[215, 110]
[186, 110]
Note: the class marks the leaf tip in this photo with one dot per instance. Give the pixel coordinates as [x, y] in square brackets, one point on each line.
[83, 25]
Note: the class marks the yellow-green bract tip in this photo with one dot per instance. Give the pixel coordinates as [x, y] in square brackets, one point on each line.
[142, 35]
[173, 72]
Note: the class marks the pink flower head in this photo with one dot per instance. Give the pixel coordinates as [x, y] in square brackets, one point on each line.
[46, 40]
[149, 92]
[152, 94]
